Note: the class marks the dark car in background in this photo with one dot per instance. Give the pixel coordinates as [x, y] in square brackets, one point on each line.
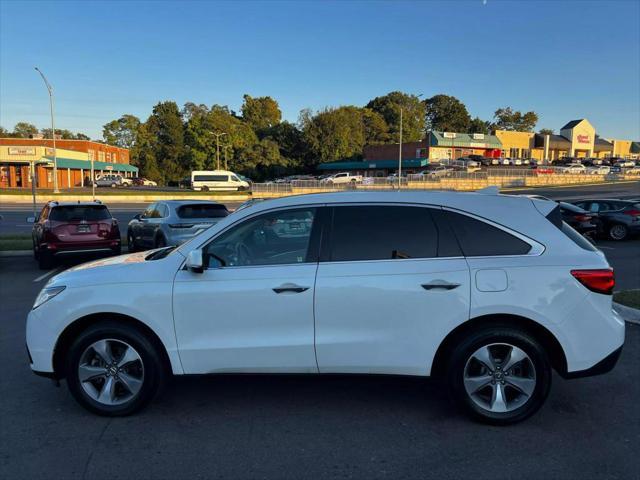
[172, 222]
[73, 228]
[578, 218]
[617, 219]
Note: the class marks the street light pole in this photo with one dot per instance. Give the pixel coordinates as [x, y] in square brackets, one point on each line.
[226, 150]
[53, 132]
[400, 154]
[218, 135]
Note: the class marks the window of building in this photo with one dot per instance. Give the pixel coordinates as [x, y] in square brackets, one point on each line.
[92, 154]
[274, 238]
[101, 156]
[382, 233]
[479, 239]
[525, 153]
[422, 152]
[514, 153]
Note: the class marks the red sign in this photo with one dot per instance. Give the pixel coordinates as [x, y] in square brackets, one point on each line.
[583, 138]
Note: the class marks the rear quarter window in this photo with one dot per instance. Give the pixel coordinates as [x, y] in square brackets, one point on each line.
[479, 239]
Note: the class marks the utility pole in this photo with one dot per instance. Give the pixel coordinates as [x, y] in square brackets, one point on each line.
[218, 135]
[400, 154]
[33, 186]
[53, 132]
[226, 150]
[93, 183]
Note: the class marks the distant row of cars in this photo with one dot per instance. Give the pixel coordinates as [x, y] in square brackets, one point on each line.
[116, 180]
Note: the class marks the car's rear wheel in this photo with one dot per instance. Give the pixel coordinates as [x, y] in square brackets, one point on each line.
[618, 232]
[131, 242]
[499, 375]
[45, 260]
[113, 369]
[205, 189]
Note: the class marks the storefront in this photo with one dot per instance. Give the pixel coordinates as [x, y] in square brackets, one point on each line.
[454, 145]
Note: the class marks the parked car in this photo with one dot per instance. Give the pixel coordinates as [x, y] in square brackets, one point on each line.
[487, 292]
[617, 219]
[574, 168]
[436, 171]
[64, 229]
[172, 222]
[113, 181]
[341, 178]
[577, 218]
[601, 170]
[220, 180]
[633, 171]
[144, 182]
[626, 163]
[496, 161]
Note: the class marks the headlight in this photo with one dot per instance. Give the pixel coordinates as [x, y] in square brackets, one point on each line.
[46, 294]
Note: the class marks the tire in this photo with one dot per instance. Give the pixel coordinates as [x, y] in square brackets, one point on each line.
[45, 260]
[618, 232]
[205, 189]
[131, 243]
[466, 374]
[35, 250]
[144, 372]
[160, 241]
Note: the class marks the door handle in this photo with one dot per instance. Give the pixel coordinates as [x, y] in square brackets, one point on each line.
[439, 285]
[291, 288]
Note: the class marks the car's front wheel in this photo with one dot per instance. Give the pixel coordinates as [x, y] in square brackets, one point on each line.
[499, 375]
[618, 232]
[113, 369]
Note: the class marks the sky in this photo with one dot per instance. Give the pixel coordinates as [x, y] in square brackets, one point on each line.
[563, 60]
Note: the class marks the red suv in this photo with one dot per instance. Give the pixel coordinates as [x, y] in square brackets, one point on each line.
[67, 228]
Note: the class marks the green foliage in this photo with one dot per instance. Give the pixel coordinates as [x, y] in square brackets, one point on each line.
[336, 133]
[122, 132]
[261, 112]
[24, 130]
[477, 125]
[546, 131]
[413, 115]
[165, 125]
[508, 119]
[445, 113]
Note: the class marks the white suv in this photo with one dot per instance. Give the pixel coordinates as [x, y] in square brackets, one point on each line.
[487, 292]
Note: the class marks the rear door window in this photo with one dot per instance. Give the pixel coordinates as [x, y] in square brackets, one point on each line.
[382, 233]
[479, 239]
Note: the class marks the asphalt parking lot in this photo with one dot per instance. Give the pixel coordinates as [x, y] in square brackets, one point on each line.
[305, 427]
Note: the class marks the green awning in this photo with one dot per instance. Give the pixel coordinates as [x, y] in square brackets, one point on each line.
[374, 164]
[86, 165]
[465, 140]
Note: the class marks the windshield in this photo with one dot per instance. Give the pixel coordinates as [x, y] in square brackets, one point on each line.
[202, 210]
[74, 213]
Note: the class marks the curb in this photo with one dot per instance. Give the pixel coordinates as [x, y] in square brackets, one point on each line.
[631, 315]
[16, 253]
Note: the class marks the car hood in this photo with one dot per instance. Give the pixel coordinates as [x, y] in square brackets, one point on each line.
[130, 268]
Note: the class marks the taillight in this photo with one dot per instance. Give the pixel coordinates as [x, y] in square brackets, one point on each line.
[583, 218]
[632, 212]
[599, 281]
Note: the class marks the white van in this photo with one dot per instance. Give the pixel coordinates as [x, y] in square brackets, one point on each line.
[206, 180]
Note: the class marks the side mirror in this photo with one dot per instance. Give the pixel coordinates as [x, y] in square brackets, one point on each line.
[136, 216]
[31, 219]
[194, 261]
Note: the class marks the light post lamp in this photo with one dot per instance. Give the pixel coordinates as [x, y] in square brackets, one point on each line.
[53, 132]
[218, 135]
[226, 149]
[400, 152]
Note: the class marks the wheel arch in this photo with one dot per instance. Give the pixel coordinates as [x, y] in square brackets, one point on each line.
[71, 332]
[547, 339]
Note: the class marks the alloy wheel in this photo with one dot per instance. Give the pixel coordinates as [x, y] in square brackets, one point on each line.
[111, 371]
[499, 377]
[618, 232]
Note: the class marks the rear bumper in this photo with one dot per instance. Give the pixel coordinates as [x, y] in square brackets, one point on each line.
[603, 366]
[81, 247]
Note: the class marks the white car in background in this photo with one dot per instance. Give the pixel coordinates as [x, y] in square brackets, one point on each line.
[486, 292]
[342, 178]
[574, 168]
[601, 170]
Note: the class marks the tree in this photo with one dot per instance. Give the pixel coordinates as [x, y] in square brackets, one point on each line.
[376, 130]
[477, 125]
[3, 132]
[291, 143]
[142, 154]
[122, 132]
[260, 112]
[260, 160]
[546, 131]
[165, 125]
[24, 130]
[508, 119]
[413, 115]
[445, 113]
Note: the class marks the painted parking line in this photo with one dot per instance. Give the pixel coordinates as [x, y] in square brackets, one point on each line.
[45, 275]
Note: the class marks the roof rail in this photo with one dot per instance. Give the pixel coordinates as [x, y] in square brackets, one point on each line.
[491, 190]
